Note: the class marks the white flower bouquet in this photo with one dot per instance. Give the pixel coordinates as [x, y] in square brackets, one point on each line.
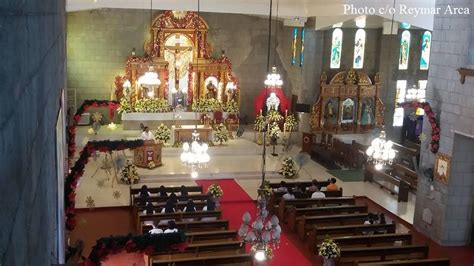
[215, 191]
[329, 249]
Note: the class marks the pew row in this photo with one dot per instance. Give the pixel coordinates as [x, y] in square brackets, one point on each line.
[349, 256]
[230, 260]
[308, 222]
[301, 203]
[194, 226]
[178, 216]
[420, 262]
[371, 240]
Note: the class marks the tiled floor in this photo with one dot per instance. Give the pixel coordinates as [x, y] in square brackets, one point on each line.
[239, 159]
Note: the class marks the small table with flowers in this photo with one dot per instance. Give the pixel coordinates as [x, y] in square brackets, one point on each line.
[148, 155]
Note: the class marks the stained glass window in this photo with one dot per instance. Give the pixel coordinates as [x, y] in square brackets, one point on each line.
[421, 95]
[359, 48]
[302, 47]
[336, 48]
[404, 50]
[398, 117]
[293, 46]
[401, 91]
[425, 51]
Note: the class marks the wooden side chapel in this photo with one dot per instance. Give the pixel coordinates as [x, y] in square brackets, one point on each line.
[349, 103]
[181, 55]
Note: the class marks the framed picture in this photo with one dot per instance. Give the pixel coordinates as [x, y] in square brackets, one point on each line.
[442, 167]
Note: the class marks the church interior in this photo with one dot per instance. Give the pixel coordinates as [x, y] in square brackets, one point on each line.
[265, 132]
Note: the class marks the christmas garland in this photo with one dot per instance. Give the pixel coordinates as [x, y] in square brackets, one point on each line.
[148, 244]
[113, 105]
[77, 171]
[435, 128]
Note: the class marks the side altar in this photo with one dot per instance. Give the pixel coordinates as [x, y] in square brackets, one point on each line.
[176, 72]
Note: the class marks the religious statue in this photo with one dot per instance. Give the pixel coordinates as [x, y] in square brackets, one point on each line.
[230, 95]
[211, 90]
[329, 112]
[367, 115]
[272, 102]
[179, 99]
[348, 110]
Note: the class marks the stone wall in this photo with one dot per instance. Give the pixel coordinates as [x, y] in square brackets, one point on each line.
[99, 42]
[453, 102]
[32, 42]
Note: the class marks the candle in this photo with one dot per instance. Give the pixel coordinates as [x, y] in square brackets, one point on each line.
[286, 112]
[260, 111]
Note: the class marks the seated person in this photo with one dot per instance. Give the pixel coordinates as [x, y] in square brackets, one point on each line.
[171, 227]
[169, 208]
[381, 220]
[183, 193]
[318, 194]
[148, 210]
[144, 195]
[190, 207]
[162, 193]
[371, 218]
[173, 198]
[289, 195]
[282, 187]
[332, 185]
[297, 188]
[210, 206]
[155, 229]
[314, 186]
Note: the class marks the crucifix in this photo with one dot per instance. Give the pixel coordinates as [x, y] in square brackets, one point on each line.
[177, 50]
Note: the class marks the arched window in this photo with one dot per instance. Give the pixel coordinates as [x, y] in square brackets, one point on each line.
[404, 50]
[425, 51]
[359, 48]
[336, 48]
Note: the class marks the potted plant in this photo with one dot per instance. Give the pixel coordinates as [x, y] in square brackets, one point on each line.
[216, 192]
[259, 127]
[129, 174]
[221, 134]
[330, 251]
[288, 168]
[162, 133]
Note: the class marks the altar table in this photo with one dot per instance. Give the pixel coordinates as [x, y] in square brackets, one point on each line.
[184, 133]
[153, 120]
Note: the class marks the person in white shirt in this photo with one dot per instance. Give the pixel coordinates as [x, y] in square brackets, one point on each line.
[282, 187]
[147, 134]
[171, 227]
[318, 194]
[155, 230]
[289, 195]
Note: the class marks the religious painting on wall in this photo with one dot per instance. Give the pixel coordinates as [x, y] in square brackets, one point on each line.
[367, 117]
[404, 50]
[336, 48]
[425, 51]
[348, 111]
[442, 167]
[359, 49]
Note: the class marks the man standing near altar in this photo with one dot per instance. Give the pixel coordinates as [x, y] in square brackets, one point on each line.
[147, 134]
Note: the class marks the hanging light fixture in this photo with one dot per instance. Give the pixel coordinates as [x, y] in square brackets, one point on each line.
[380, 152]
[274, 79]
[195, 154]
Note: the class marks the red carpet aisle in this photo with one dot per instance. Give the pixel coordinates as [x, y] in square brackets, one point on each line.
[235, 203]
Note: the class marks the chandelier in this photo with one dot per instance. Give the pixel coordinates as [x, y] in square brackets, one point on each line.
[380, 152]
[273, 79]
[195, 154]
[263, 233]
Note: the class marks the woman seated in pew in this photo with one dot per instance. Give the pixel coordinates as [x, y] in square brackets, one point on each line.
[318, 194]
[144, 195]
[371, 219]
[148, 210]
[190, 207]
[183, 192]
[173, 198]
[282, 187]
[155, 230]
[314, 186]
[169, 208]
[289, 195]
[210, 206]
[381, 220]
[171, 227]
[297, 188]
[162, 193]
[332, 185]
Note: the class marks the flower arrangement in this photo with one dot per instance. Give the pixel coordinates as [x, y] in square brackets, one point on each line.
[129, 173]
[274, 116]
[125, 106]
[163, 133]
[148, 105]
[206, 105]
[215, 191]
[290, 123]
[288, 168]
[329, 249]
[151, 165]
[231, 107]
[221, 134]
[259, 124]
[274, 130]
[266, 190]
[266, 248]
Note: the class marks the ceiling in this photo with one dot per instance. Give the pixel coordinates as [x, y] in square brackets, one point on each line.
[326, 12]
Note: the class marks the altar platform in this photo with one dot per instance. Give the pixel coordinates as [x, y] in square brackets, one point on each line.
[132, 121]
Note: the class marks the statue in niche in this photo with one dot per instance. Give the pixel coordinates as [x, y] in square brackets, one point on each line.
[329, 111]
[211, 90]
[367, 114]
[179, 99]
[348, 110]
[272, 102]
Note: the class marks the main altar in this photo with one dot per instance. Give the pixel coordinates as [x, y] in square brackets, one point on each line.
[178, 59]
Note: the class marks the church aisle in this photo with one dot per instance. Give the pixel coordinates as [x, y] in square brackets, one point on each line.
[235, 203]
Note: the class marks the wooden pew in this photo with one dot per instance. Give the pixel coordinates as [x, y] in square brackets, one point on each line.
[318, 233]
[178, 216]
[234, 260]
[276, 197]
[407, 156]
[211, 236]
[307, 222]
[417, 262]
[296, 214]
[194, 197]
[284, 204]
[180, 206]
[156, 190]
[201, 250]
[403, 187]
[405, 174]
[302, 185]
[372, 240]
[194, 226]
[382, 253]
